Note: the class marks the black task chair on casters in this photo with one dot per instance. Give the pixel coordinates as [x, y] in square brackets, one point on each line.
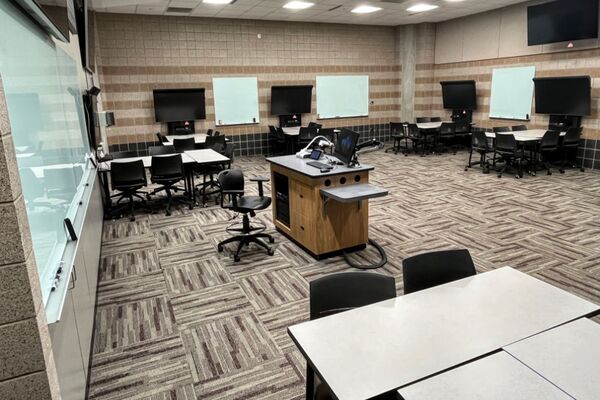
[506, 148]
[218, 144]
[547, 146]
[427, 270]
[435, 119]
[447, 135]
[569, 145]
[516, 128]
[128, 178]
[231, 182]
[399, 133]
[481, 145]
[160, 150]
[209, 132]
[305, 136]
[421, 120]
[276, 142]
[167, 171]
[417, 139]
[161, 138]
[123, 154]
[501, 129]
[315, 125]
[339, 292]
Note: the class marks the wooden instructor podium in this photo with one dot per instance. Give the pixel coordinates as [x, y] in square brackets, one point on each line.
[324, 213]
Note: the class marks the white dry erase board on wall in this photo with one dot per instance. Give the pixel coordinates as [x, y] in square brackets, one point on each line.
[342, 96]
[512, 92]
[236, 100]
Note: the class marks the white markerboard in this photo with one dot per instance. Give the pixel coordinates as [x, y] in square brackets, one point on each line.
[342, 96]
[512, 92]
[236, 100]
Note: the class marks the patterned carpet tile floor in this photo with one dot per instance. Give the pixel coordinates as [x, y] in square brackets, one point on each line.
[178, 320]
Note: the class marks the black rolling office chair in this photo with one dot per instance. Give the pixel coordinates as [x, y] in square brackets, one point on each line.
[218, 144]
[217, 133]
[447, 135]
[506, 147]
[436, 268]
[305, 135]
[128, 178]
[160, 150]
[315, 125]
[481, 145]
[417, 138]
[231, 182]
[569, 145]
[339, 292]
[182, 145]
[399, 132]
[209, 132]
[420, 120]
[167, 171]
[498, 129]
[548, 145]
[435, 119]
[276, 143]
[161, 138]
[516, 128]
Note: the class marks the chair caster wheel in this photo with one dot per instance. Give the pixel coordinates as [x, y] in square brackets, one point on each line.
[148, 197]
[271, 240]
[168, 214]
[190, 207]
[220, 248]
[466, 169]
[499, 176]
[132, 219]
[486, 171]
[581, 170]
[562, 171]
[532, 173]
[549, 173]
[517, 176]
[236, 258]
[270, 252]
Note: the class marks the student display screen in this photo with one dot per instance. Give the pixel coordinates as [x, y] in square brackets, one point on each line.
[175, 105]
[459, 95]
[291, 99]
[345, 145]
[562, 20]
[563, 96]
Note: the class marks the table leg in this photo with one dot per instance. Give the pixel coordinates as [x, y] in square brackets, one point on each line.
[107, 201]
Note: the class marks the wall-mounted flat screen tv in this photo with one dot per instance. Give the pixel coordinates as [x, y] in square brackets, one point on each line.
[567, 95]
[291, 99]
[459, 95]
[178, 105]
[561, 21]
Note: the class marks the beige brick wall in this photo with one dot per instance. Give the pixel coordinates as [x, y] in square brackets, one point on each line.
[137, 54]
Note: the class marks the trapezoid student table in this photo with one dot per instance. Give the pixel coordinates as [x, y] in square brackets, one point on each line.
[306, 210]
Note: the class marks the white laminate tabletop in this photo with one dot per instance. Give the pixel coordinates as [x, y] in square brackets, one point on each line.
[374, 349]
[198, 137]
[292, 130]
[530, 135]
[206, 156]
[496, 377]
[301, 166]
[105, 166]
[568, 356]
[430, 125]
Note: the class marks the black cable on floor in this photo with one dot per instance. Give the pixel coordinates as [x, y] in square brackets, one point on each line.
[375, 265]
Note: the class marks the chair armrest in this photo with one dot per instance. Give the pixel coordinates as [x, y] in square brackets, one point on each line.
[260, 180]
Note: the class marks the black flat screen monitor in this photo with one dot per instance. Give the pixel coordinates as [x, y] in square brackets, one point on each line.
[177, 105]
[459, 95]
[561, 21]
[287, 100]
[563, 95]
[345, 145]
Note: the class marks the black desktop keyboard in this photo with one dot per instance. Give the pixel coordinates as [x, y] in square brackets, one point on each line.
[319, 165]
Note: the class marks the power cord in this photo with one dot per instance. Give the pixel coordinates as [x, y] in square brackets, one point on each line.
[375, 265]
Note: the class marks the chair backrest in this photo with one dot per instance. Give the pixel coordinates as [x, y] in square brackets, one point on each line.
[343, 291]
[209, 132]
[280, 134]
[413, 130]
[329, 133]
[186, 144]
[479, 140]
[217, 133]
[501, 129]
[128, 173]
[231, 179]
[307, 133]
[161, 138]
[314, 125]
[123, 154]
[550, 140]
[169, 166]
[506, 142]
[447, 128]
[572, 136]
[423, 119]
[435, 119]
[516, 128]
[272, 131]
[436, 268]
[229, 151]
[160, 150]
[397, 128]
[217, 143]
[462, 127]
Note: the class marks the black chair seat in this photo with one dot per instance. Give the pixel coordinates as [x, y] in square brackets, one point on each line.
[253, 203]
[133, 185]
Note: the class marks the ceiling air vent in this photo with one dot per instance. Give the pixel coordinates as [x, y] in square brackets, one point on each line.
[334, 8]
[179, 10]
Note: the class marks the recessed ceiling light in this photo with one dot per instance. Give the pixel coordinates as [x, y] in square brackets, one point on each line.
[298, 5]
[421, 7]
[365, 9]
[217, 1]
